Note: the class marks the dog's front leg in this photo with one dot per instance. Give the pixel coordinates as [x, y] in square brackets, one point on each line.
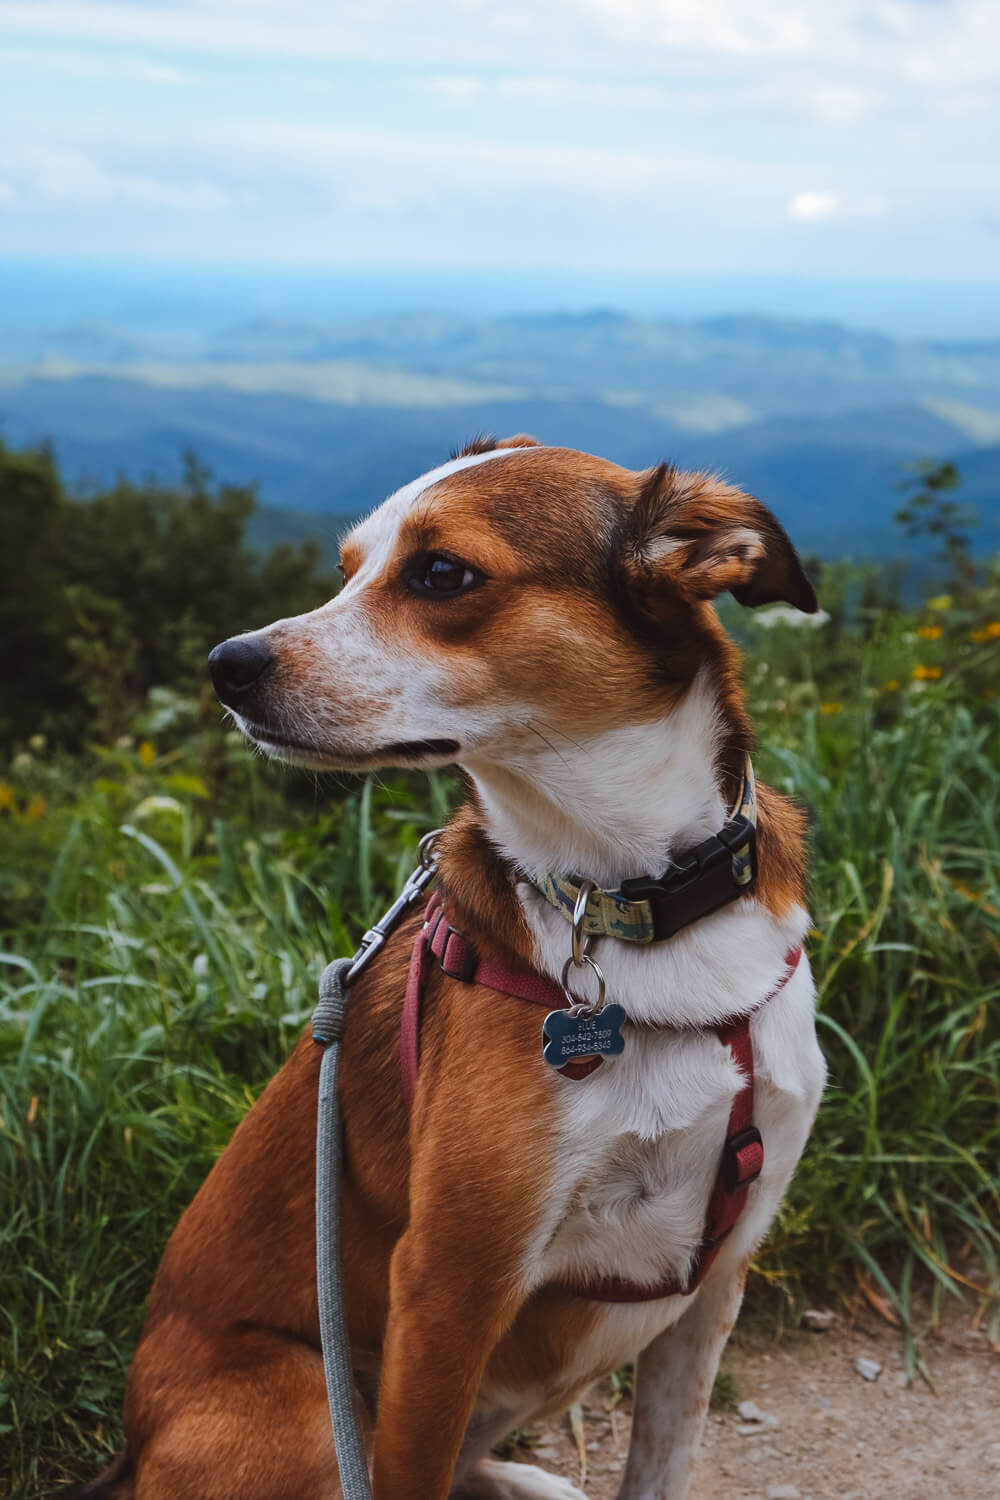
[674, 1379]
[447, 1311]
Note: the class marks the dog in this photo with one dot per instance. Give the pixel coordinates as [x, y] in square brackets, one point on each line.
[543, 619]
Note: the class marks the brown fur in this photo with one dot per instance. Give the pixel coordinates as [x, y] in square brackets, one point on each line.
[226, 1395]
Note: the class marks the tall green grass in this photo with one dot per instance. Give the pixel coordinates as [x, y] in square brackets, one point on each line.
[182, 899]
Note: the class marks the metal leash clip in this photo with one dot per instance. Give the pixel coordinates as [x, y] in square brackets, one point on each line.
[416, 884]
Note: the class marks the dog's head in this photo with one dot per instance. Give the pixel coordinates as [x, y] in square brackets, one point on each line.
[516, 594]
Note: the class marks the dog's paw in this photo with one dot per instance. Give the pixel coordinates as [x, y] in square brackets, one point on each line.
[495, 1479]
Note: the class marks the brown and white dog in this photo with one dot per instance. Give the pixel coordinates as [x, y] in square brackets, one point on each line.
[542, 618]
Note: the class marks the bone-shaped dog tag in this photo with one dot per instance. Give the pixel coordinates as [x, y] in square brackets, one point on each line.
[570, 1037]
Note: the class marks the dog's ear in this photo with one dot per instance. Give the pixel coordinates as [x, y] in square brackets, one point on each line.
[693, 536]
[485, 442]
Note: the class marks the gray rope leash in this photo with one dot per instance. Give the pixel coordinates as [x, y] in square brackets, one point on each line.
[328, 1029]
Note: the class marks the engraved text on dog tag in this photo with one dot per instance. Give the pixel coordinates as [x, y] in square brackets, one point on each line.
[569, 1038]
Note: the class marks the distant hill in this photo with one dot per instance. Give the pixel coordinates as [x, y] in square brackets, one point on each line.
[816, 418]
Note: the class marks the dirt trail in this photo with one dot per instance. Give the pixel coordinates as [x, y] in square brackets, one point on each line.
[838, 1436]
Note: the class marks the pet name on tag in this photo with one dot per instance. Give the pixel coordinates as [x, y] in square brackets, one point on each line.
[569, 1037]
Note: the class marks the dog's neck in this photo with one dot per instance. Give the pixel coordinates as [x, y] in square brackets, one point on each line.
[620, 805]
[612, 806]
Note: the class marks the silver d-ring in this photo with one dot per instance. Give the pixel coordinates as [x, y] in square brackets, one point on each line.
[586, 962]
[580, 944]
[425, 849]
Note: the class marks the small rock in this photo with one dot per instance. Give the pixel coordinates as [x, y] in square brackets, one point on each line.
[819, 1319]
[868, 1369]
[782, 1492]
[547, 1452]
[749, 1411]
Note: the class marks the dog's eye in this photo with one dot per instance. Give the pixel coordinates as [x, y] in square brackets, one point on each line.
[439, 574]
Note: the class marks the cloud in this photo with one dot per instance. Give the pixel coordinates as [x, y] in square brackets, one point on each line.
[394, 29]
[454, 161]
[552, 89]
[158, 73]
[674, 134]
[840, 105]
[782, 27]
[811, 206]
[815, 205]
[67, 175]
[79, 63]
[940, 45]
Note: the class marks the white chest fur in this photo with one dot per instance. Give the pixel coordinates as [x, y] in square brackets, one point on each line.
[636, 1162]
[641, 1139]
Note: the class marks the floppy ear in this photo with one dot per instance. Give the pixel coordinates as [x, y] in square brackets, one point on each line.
[519, 440]
[695, 537]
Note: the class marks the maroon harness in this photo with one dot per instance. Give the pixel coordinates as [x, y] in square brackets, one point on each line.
[743, 1151]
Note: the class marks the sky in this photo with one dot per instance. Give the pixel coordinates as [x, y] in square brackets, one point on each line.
[787, 137]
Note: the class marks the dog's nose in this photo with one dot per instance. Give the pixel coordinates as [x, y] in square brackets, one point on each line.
[237, 665]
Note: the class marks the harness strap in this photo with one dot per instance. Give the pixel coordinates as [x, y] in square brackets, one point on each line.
[741, 1164]
[459, 960]
[742, 1158]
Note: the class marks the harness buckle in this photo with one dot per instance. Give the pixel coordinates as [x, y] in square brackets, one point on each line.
[455, 955]
[742, 1159]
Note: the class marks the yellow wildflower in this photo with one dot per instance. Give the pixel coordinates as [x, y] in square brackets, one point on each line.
[35, 809]
[147, 753]
[990, 632]
[929, 632]
[8, 797]
[939, 603]
[927, 674]
[892, 686]
[831, 708]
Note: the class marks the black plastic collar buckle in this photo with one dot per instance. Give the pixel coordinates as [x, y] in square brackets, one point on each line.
[710, 875]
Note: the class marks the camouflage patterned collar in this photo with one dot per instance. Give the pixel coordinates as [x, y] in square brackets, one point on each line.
[648, 909]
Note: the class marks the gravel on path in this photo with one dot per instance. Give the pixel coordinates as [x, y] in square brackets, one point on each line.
[827, 1431]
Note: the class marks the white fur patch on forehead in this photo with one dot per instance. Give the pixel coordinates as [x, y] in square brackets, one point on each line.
[376, 534]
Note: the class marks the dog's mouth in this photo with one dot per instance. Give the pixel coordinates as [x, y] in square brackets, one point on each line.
[320, 757]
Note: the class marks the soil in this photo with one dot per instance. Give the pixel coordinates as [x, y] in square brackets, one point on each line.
[837, 1435]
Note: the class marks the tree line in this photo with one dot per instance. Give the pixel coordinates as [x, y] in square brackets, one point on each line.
[104, 597]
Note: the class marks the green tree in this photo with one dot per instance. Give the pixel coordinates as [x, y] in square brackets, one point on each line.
[35, 615]
[928, 512]
[102, 599]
